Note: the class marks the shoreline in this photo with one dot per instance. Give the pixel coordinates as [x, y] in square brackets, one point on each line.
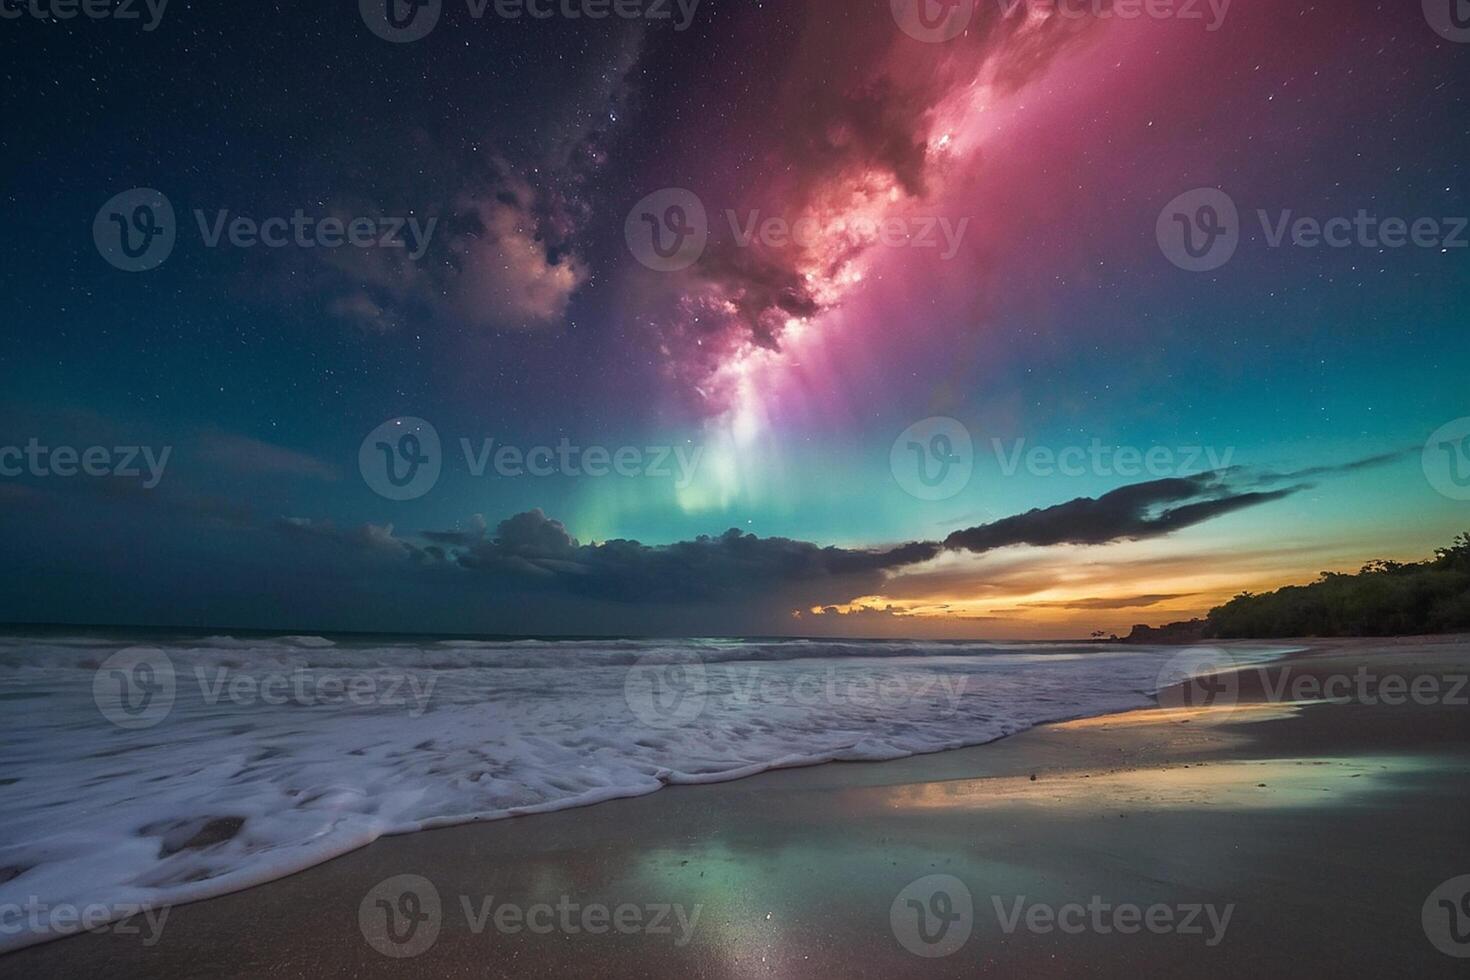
[1027, 789]
[192, 891]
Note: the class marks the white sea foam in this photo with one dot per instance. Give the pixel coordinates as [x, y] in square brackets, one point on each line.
[272, 755]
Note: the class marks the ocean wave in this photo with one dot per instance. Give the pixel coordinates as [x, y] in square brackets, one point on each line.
[250, 759]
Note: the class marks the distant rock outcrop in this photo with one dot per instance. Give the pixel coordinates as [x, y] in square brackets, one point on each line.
[1191, 631]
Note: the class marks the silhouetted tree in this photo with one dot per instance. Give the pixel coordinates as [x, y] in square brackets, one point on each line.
[1385, 598]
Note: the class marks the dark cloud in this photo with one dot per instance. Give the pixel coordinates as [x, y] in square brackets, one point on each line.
[533, 549]
[481, 576]
[460, 539]
[1142, 510]
[499, 256]
[533, 552]
[367, 539]
[536, 551]
[512, 212]
[1336, 469]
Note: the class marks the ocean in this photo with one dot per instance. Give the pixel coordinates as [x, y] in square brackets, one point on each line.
[142, 771]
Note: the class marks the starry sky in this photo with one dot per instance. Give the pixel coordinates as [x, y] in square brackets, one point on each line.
[986, 217]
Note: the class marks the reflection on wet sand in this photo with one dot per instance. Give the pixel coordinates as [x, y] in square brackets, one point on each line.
[1236, 784]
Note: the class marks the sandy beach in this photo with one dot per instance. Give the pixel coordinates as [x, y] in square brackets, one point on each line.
[1267, 834]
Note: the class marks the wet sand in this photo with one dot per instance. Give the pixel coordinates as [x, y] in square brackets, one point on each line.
[1321, 826]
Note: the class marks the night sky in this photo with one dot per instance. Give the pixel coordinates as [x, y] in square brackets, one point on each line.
[1048, 145]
